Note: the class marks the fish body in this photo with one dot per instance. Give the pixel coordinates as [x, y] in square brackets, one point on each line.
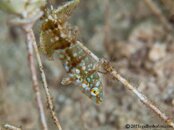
[59, 40]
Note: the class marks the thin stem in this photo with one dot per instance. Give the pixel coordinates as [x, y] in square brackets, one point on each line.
[111, 71]
[142, 97]
[31, 62]
[26, 23]
[31, 42]
[48, 95]
[88, 51]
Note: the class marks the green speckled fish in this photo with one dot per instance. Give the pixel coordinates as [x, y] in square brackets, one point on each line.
[59, 40]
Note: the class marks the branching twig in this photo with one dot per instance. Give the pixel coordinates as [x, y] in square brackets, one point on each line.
[48, 96]
[29, 42]
[111, 71]
[32, 42]
[159, 14]
[27, 25]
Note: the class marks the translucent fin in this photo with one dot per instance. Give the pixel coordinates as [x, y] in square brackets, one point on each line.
[65, 10]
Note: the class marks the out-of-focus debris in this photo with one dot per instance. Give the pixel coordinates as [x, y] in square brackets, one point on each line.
[96, 41]
[157, 52]
[169, 4]
[102, 118]
[147, 32]
[137, 59]
[169, 95]
[119, 50]
[157, 12]
[10, 127]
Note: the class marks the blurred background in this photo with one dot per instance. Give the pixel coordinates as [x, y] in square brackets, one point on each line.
[135, 37]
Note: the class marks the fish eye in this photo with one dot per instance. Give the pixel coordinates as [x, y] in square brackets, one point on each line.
[94, 91]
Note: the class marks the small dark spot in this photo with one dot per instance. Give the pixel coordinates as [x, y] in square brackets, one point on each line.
[129, 107]
[168, 100]
[56, 25]
[13, 33]
[171, 19]
[25, 120]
